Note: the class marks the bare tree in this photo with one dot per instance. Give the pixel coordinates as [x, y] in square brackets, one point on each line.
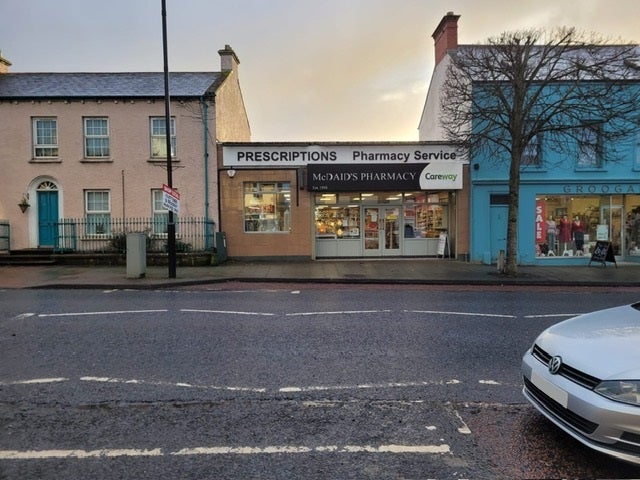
[525, 87]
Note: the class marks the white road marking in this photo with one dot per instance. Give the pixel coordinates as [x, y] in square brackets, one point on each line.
[340, 312]
[77, 454]
[228, 388]
[364, 386]
[168, 384]
[489, 382]
[114, 312]
[221, 450]
[464, 429]
[35, 381]
[290, 389]
[227, 312]
[551, 315]
[470, 314]
[422, 449]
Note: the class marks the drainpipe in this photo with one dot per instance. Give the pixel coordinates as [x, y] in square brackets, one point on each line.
[205, 134]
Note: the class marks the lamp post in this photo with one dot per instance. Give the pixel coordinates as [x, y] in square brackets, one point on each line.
[171, 226]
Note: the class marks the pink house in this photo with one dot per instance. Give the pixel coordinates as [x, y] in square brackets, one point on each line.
[92, 146]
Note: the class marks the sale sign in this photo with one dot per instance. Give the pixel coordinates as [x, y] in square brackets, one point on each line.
[541, 226]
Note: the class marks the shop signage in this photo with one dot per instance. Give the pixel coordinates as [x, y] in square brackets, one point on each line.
[301, 155]
[603, 253]
[431, 176]
[170, 199]
[541, 226]
[603, 188]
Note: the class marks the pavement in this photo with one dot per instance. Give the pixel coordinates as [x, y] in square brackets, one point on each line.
[359, 271]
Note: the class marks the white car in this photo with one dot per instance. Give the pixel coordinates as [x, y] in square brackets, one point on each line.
[583, 374]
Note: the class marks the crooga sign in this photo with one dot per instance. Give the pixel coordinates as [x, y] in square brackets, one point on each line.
[340, 167]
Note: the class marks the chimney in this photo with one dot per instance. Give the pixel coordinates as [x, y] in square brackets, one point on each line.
[445, 35]
[228, 59]
[4, 64]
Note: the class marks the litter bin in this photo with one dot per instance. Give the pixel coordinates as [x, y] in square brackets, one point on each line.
[136, 255]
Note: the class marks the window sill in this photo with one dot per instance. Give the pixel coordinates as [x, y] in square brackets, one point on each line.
[96, 160]
[162, 160]
[590, 169]
[46, 160]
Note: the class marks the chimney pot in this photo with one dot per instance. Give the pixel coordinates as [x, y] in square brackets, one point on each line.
[445, 35]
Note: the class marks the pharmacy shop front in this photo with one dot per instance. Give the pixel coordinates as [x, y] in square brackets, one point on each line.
[354, 200]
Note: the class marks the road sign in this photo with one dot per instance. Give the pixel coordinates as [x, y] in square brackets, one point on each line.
[170, 199]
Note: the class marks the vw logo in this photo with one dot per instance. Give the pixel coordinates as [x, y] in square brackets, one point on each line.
[554, 364]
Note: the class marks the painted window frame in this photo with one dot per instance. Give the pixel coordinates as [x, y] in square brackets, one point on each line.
[159, 213]
[97, 212]
[103, 148]
[158, 137]
[45, 145]
[532, 154]
[590, 148]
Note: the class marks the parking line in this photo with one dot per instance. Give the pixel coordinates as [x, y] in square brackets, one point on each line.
[114, 312]
[469, 314]
[79, 454]
[226, 312]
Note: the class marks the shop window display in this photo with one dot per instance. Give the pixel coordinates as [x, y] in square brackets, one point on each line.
[267, 207]
[339, 215]
[570, 225]
[338, 222]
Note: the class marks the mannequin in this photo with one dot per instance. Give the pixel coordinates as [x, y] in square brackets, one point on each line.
[577, 231]
[551, 235]
[564, 234]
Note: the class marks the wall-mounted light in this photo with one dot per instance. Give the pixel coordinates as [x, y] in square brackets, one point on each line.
[231, 173]
[24, 203]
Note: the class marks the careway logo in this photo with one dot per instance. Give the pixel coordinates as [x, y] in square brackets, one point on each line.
[446, 175]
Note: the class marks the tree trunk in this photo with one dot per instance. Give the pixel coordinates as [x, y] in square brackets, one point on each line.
[511, 265]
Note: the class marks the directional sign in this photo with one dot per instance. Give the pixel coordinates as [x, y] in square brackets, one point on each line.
[170, 199]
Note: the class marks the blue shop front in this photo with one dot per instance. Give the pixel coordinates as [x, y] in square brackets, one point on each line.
[560, 221]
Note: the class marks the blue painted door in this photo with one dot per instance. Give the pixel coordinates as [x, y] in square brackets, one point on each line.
[498, 229]
[47, 217]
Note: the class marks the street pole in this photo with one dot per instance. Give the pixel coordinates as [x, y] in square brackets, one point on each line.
[171, 226]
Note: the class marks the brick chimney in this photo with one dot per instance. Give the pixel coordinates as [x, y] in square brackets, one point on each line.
[228, 59]
[4, 64]
[445, 35]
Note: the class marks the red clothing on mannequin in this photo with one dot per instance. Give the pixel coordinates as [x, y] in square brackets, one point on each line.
[577, 230]
[564, 229]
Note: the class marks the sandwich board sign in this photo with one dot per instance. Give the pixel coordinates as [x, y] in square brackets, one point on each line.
[603, 253]
[170, 199]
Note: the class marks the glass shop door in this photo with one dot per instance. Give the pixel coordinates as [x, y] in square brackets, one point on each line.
[381, 231]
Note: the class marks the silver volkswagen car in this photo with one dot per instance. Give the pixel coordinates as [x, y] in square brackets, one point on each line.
[583, 374]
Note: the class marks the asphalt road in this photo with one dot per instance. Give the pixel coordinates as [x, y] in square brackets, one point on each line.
[286, 381]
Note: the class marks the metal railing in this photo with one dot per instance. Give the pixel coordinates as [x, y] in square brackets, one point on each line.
[109, 235]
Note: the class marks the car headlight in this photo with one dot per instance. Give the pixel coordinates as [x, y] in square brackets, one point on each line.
[626, 391]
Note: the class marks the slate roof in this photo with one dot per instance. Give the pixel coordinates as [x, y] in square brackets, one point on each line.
[106, 85]
[612, 62]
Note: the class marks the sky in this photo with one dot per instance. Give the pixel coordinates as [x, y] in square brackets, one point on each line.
[310, 70]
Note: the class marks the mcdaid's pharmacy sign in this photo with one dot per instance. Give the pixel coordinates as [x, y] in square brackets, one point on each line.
[354, 166]
[445, 175]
